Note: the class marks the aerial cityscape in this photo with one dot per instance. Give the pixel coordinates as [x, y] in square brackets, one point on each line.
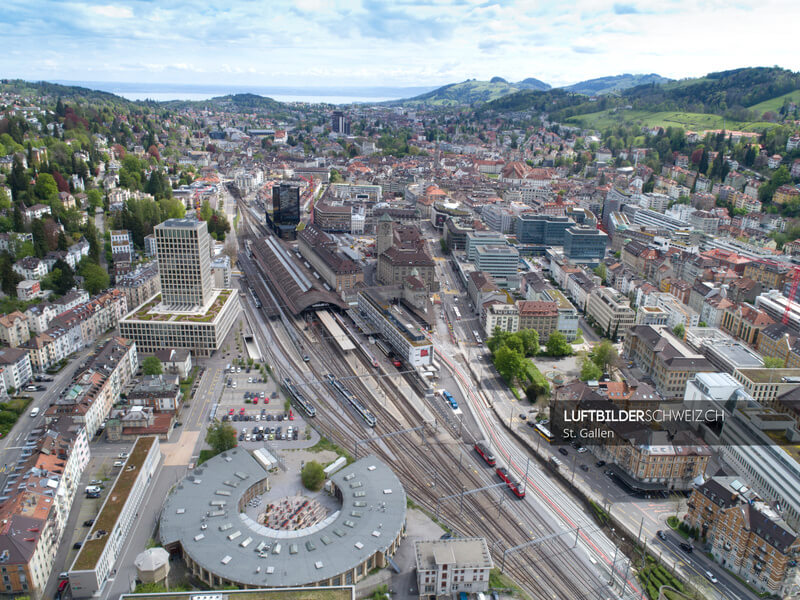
[399, 301]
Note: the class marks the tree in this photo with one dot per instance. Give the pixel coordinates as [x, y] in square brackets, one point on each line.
[152, 366]
[601, 271]
[61, 279]
[557, 345]
[221, 436]
[679, 330]
[312, 475]
[46, 187]
[95, 197]
[530, 341]
[508, 363]
[9, 277]
[589, 370]
[773, 362]
[95, 278]
[603, 355]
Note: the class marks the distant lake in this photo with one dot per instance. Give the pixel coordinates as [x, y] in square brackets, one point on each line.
[162, 92]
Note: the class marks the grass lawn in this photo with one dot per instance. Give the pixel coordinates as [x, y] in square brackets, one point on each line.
[687, 120]
[774, 104]
[325, 444]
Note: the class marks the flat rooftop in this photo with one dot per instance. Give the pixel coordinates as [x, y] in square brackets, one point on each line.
[318, 593]
[202, 515]
[764, 375]
[463, 552]
[115, 500]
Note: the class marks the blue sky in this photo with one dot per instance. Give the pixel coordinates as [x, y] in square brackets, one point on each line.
[373, 42]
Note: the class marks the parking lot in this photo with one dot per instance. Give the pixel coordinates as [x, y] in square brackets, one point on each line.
[256, 409]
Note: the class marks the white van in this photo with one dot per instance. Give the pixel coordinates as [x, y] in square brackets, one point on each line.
[710, 577]
[34, 412]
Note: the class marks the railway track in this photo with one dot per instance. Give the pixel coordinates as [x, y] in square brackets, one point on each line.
[549, 570]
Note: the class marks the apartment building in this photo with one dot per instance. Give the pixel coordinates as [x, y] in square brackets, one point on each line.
[481, 289]
[14, 329]
[140, 285]
[747, 535]
[744, 322]
[668, 361]
[496, 315]
[102, 547]
[651, 315]
[771, 274]
[34, 515]
[15, 368]
[611, 311]
[538, 315]
[97, 385]
[159, 392]
[454, 566]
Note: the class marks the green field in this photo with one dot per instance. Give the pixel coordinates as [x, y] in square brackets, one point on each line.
[774, 104]
[689, 121]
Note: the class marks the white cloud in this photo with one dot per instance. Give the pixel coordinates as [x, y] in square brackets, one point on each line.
[112, 12]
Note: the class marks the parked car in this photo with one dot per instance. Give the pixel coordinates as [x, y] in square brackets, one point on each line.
[600, 463]
[96, 482]
[88, 523]
[122, 455]
[563, 451]
[77, 545]
[119, 463]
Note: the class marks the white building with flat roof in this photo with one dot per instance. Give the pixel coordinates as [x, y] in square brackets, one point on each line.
[449, 567]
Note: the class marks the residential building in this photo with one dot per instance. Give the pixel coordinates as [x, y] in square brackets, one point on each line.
[160, 392]
[668, 361]
[746, 534]
[14, 329]
[585, 244]
[33, 517]
[397, 324]
[15, 368]
[611, 311]
[567, 314]
[31, 267]
[221, 271]
[538, 315]
[498, 315]
[140, 285]
[775, 305]
[771, 274]
[777, 341]
[340, 123]
[28, 289]
[651, 315]
[98, 556]
[150, 245]
[121, 242]
[97, 386]
[744, 322]
[175, 360]
[481, 289]
[453, 566]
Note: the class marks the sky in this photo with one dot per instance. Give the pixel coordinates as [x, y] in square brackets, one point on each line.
[385, 43]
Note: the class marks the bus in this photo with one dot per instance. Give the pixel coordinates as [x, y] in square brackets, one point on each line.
[449, 397]
[478, 339]
[544, 432]
[457, 313]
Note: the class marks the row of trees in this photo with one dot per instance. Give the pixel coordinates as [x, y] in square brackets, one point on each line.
[597, 362]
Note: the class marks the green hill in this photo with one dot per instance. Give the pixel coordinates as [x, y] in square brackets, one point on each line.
[463, 93]
[615, 83]
[726, 94]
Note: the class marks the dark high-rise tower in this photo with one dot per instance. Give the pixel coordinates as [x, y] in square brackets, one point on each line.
[285, 209]
[340, 123]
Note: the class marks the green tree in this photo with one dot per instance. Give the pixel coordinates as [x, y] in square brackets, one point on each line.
[172, 208]
[61, 279]
[221, 436]
[152, 366]
[46, 188]
[205, 210]
[312, 475]
[530, 341]
[603, 355]
[95, 197]
[508, 363]
[601, 271]
[95, 278]
[8, 276]
[772, 362]
[557, 345]
[589, 370]
[679, 330]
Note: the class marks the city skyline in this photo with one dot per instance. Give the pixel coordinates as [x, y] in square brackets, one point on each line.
[314, 43]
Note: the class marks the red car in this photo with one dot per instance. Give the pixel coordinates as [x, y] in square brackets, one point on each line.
[230, 412]
[291, 415]
[241, 410]
[255, 400]
[63, 585]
